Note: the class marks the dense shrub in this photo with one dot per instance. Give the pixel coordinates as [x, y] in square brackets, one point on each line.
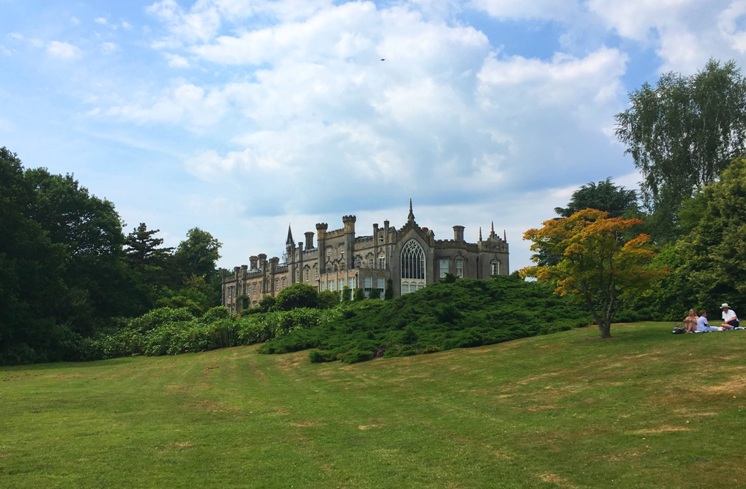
[297, 296]
[461, 314]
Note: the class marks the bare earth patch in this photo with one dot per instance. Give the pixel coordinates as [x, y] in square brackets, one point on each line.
[180, 445]
[534, 409]
[556, 480]
[662, 429]
[305, 424]
[501, 455]
[735, 385]
[364, 427]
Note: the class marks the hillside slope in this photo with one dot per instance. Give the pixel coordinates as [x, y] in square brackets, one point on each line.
[646, 409]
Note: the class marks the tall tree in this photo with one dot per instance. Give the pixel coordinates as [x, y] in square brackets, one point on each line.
[198, 254]
[31, 270]
[604, 196]
[99, 285]
[151, 263]
[682, 133]
[143, 250]
[598, 266]
[714, 252]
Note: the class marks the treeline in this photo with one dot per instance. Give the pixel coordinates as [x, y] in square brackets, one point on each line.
[67, 269]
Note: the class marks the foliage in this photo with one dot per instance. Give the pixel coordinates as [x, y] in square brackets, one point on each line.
[359, 294]
[328, 299]
[604, 196]
[713, 254]
[144, 251]
[682, 133]
[198, 253]
[389, 293]
[61, 263]
[439, 317]
[297, 295]
[598, 267]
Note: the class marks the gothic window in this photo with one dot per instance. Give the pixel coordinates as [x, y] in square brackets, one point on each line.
[381, 260]
[306, 274]
[358, 261]
[495, 267]
[412, 267]
[369, 259]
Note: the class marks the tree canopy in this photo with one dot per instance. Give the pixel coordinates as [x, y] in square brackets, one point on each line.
[604, 196]
[714, 253]
[597, 266]
[682, 133]
[65, 272]
[199, 253]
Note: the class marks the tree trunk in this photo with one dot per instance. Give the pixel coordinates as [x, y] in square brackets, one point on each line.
[605, 328]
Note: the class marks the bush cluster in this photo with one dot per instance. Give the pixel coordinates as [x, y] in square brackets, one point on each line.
[166, 331]
[461, 314]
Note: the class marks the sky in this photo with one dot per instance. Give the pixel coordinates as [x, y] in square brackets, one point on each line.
[243, 118]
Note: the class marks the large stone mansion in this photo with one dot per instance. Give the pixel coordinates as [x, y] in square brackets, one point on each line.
[405, 259]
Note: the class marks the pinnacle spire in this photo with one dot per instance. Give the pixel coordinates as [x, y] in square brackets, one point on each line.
[289, 241]
[411, 214]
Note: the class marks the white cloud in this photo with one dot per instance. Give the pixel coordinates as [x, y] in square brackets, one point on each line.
[684, 33]
[636, 19]
[442, 115]
[182, 103]
[108, 47]
[197, 25]
[63, 50]
[176, 61]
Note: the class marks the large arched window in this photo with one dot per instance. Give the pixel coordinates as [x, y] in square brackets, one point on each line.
[412, 267]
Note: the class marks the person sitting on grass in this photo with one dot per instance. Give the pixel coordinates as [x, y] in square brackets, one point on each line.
[690, 322]
[730, 320]
[702, 325]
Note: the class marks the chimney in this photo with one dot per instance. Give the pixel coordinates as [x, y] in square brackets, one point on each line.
[458, 233]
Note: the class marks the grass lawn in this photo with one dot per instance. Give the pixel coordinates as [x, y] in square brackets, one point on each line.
[568, 410]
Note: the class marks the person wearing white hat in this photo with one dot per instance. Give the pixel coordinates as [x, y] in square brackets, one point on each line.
[730, 320]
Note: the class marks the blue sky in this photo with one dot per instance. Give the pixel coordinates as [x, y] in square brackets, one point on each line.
[244, 117]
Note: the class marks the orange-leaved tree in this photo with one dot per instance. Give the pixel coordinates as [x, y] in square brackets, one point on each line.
[601, 263]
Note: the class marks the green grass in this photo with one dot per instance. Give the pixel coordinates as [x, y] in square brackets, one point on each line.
[646, 409]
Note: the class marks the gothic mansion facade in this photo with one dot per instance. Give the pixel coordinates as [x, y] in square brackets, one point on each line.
[405, 259]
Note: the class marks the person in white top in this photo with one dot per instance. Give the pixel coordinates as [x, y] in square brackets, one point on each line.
[730, 320]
